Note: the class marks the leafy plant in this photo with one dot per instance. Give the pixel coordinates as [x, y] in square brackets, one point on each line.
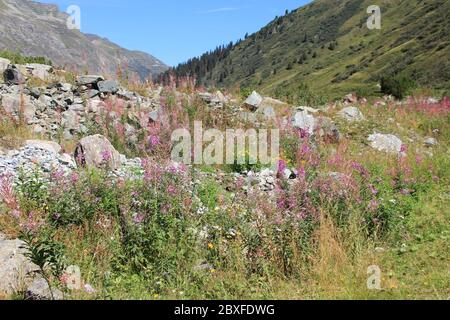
[399, 85]
[47, 254]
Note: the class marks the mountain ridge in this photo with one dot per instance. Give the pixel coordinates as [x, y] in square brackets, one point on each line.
[327, 45]
[37, 29]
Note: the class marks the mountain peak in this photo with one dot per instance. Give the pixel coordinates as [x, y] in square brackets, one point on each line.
[37, 29]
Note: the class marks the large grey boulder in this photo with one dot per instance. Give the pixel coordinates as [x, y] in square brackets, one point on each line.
[18, 105]
[13, 76]
[97, 151]
[108, 86]
[41, 71]
[304, 121]
[16, 271]
[351, 114]
[386, 142]
[253, 101]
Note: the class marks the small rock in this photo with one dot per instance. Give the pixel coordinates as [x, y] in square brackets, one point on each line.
[351, 114]
[89, 80]
[303, 120]
[108, 86]
[430, 142]
[386, 142]
[40, 290]
[253, 101]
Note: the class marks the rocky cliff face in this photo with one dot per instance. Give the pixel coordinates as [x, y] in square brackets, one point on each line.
[37, 29]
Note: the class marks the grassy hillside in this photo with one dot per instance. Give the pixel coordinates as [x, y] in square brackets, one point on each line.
[328, 46]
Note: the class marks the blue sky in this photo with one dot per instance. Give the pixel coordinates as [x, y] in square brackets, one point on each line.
[175, 30]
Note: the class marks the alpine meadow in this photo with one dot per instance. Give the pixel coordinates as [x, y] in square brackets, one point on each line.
[306, 161]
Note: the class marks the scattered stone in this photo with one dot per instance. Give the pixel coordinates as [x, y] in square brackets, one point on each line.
[108, 86]
[35, 93]
[386, 142]
[379, 250]
[304, 121]
[89, 80]
[267, 111]
[430, 142]
[350, 98]
[65, 87]
[351, 114]
[253, 101]
[40, 290]
[91, 93]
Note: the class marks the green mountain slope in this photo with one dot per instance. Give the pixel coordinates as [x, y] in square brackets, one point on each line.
[327, 46]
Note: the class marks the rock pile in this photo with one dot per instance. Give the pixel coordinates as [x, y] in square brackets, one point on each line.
[35, 155]
[63, 107]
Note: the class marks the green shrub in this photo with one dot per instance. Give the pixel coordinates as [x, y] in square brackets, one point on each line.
[399, 86]
[17, 58]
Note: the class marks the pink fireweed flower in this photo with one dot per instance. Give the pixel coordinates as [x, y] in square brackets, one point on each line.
[74, 178]
[106, 155]
[171, 190]
[419, 159]
[64, 278]
[282, 166]
[57, 175]
[240, 183]
[303, 134]
[153, 142]
[88, 288]
[15, 213]
[404, 149]
[7, 191]
[302, 173]
[358, 167]
[138, 218]
[373, 190]
[301, 216]
[32, 224]
[373, 205]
